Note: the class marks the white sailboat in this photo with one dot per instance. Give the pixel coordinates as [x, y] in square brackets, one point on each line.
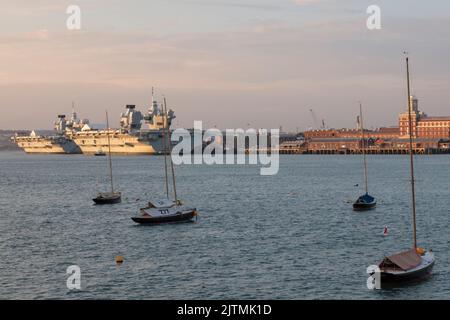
[167, 210]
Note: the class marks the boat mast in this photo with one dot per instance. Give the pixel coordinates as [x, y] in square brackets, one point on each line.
[411, 153]
[166, 125]
[363, 144]
[165, 155]
[109, 153]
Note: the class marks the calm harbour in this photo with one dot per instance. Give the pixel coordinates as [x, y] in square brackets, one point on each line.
[288, 236]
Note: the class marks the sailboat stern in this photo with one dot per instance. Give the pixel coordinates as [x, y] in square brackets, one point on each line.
[108, 198]
[175, 213]
[409, 266]
[364, 202]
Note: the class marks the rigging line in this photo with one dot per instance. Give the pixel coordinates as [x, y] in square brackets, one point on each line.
[165, 156]
[109, 154]
[411, 155]
[166, 124]
[363, 145]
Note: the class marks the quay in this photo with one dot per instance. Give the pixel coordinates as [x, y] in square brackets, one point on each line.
[431, 135]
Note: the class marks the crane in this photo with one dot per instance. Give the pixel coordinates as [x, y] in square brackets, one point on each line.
[316, 121]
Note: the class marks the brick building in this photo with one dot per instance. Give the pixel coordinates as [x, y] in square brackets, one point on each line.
[423, 126]
[334, 144]
[381, 133]
[429, 133]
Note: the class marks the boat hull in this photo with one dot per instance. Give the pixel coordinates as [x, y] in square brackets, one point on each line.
[47, 145]
[364, 206]
[120, 143]
[183, 217]
[390, 278]
[107, 200]
[416, 275]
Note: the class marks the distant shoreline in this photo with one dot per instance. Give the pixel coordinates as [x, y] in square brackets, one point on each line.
[9, 148]
[5, 141]
[5, 149]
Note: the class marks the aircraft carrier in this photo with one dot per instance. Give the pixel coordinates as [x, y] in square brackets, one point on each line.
[138, 134]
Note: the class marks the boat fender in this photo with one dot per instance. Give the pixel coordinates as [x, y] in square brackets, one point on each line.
[420, 251]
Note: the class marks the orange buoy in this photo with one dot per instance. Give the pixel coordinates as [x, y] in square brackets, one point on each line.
[119, 259]
[420, 251]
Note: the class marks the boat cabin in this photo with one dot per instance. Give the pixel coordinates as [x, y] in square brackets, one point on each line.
[402, 261]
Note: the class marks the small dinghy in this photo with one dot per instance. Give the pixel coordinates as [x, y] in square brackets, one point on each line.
[164, 212]
[364, 202]
[108, 198]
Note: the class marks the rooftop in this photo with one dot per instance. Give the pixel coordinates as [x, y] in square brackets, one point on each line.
[434, 118]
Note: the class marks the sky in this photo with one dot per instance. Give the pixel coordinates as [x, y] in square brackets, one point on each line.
[231, 64]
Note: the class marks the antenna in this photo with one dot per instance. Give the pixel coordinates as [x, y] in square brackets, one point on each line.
[153, 93]
[74, 115]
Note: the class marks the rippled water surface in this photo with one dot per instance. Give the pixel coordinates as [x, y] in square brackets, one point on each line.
[289, 236]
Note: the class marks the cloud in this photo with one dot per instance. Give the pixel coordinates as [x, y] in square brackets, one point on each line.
[30, 8]
[250, 70]
[231, 4]
[40, 34]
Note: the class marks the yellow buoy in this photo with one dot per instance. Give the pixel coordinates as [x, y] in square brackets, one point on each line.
[119, 259]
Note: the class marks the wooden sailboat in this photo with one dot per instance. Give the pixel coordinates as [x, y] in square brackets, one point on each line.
[366, 201]
[166, 211]
[414, 263]
[112, 196]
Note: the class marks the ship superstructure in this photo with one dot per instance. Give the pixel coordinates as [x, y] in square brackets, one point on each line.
[155, 118]
[132, 137]
[59, 142]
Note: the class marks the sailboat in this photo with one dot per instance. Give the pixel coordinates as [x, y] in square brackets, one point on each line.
[112, 196]
[100, 153]
[166, 211]
[366, 201]
[414, 263]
